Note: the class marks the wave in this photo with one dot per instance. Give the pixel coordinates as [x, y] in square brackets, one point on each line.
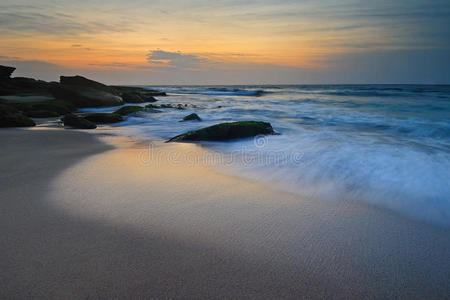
[395, 91]
[391, 150]
[406, 178]
[217, 91]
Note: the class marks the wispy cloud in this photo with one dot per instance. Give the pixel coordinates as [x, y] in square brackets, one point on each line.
[48, 20]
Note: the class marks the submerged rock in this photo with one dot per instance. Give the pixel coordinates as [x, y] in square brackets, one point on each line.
[126, 110]
[104, 118]
[77, 122]
[11, 117]
[226, 131]
[191, 117]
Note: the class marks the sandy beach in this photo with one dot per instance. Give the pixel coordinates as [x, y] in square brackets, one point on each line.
[89, 218]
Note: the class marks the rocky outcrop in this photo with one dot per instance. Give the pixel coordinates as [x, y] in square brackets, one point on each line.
[104, 118]
[138, 90]
[226, 131]
[137, 98]
[85, 96]
[83, 82]
[5, 71]
[191, 117]
[55, 106]
[77, 122]
[11, 117]
[20, 85]
[41, 114]
[126, 110]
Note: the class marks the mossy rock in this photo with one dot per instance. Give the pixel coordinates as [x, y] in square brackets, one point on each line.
[77, 122]
[226, 131]
[126, 110]
[11, 117]
[191, 117]
[57, 106]
[104, 118]
[41, 114]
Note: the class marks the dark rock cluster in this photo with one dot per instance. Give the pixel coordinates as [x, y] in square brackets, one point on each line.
[70, 93]
[73, 92]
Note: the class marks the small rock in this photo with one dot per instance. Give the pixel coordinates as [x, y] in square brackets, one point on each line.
[126, 110]
[77, 122]
[191, 117]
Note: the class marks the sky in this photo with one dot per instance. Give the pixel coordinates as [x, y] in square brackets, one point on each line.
[228, 41]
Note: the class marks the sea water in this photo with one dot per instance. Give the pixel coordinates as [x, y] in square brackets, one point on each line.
[388, 145]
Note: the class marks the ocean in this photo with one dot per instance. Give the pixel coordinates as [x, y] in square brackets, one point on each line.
[387, 145]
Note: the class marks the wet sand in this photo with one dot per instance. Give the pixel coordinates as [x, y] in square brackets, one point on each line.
[80, 219]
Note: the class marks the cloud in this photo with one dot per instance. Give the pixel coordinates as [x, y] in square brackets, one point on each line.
[50, 21]
[175, 59]
[393, 66]
[76, 46]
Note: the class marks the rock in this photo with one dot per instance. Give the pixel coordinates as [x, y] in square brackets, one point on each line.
[152, 110]
[126, 110]
[137, 98]
[80, 81]
[56, 106]
[5, 72]
[138, 90]
[22, 85]
[191, 117]
[132, 98]
[77, 122]
[59, 107]
[25, 82]
[148, 98]
[11, 117]
[177, 106]
[41, 114]
[226, 131]
[104, 118]
[85, 96]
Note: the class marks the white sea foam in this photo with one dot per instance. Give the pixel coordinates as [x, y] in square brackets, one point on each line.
[386, 145]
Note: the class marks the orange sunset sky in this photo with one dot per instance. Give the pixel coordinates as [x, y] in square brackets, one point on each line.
[219, 42]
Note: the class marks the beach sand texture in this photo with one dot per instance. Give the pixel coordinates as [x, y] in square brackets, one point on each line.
[81, 219]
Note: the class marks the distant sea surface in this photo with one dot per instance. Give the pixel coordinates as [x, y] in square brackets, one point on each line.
[388, 145]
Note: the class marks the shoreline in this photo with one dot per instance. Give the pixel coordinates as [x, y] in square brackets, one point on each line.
[97, 222]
